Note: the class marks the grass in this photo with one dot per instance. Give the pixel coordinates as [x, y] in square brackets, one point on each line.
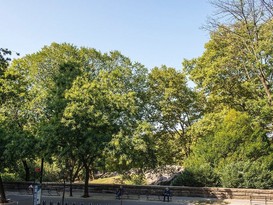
[111, 180]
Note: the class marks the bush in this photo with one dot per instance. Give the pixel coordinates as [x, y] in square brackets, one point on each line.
[231, 174]
[10, 177]
[200, 176]
[236, 153]
[185, 179]
[138, 179]
[247, 174]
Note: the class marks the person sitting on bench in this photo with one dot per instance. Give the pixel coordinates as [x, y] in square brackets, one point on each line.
[166, 194]
[119, 192]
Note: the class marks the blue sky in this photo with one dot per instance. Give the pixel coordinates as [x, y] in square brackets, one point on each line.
[152, 32]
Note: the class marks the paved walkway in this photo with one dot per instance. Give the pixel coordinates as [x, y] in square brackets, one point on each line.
[109, 199]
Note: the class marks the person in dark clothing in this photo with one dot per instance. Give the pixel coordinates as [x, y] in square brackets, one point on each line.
[166, 194]
[119, 192]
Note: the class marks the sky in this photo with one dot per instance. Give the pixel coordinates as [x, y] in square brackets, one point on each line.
[151, 32]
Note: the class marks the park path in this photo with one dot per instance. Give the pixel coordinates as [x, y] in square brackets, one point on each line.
[109, 199]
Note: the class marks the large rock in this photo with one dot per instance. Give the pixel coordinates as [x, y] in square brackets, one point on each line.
[163, 175]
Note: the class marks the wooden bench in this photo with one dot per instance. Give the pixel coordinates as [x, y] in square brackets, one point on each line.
[157, 197]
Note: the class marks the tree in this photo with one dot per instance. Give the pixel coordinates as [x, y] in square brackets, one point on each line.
[78, 100]
[101, 103]
[51, 73]
[4, 62]
[251, 22]
[173, 109]
[235, 74]
[15, 108]
[235, 68]
[133, 150]
[233, 140]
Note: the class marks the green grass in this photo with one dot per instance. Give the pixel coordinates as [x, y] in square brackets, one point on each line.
[111, 180]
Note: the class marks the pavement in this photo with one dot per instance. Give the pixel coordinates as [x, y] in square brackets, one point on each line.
[20, 198]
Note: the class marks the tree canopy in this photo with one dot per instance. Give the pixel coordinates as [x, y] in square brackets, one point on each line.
[85, 111]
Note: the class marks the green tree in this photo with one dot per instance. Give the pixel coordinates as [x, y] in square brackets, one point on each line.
[235, 72]
[235, 69]
[4, 63]
[233, 140]
[78, 100]
[31, 83]
[102, 102]
[16, 112]
[173, 108]
[249, 25]
[52, 72]
[132, 149]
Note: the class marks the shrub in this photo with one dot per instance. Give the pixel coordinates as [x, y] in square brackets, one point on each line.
[10, 177]
[247, 174]
[197, 176]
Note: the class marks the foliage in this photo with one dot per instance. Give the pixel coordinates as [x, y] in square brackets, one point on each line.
[235, 69]
[219, 157]
[138, 179]
[247, 174]
[197, 176]
[4, 140]
[234, 76]
[135, 150]
[11, 177]
[173, 108]
[84, 111]
[101, 105]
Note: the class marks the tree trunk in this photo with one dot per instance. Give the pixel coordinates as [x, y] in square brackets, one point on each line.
[42, 170]
[86, 180]
[3, 198]
[27, 171]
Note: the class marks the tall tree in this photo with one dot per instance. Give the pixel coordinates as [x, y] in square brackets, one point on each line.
[79, 99]
[102, 102]
[30, 83]
[51, 73]
[4, 63]
[236, 67]
[16, 111]
[173, 109]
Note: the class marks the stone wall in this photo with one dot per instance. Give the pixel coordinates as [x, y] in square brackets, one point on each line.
[206, 192]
